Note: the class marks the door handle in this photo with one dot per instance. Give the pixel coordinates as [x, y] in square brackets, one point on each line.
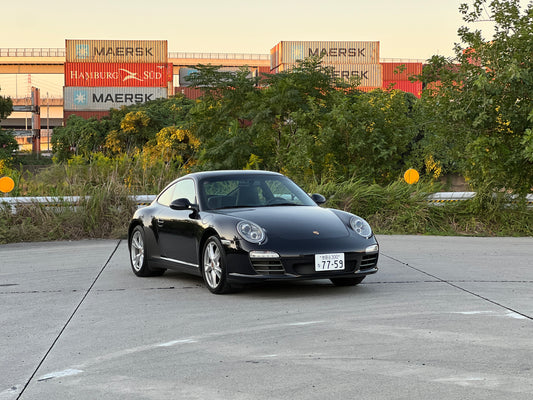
[160, 223]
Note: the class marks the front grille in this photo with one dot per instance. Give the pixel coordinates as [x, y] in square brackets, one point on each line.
[268, 267]
[369, 261]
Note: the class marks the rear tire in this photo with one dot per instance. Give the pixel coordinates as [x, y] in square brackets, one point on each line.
[214, 267]
[347, 281]
[138, 255]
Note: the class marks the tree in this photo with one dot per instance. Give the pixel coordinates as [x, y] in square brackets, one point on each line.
[481, 105]
[126, 130]
[6, 107]
[80, 137]
[8, 144]
[303, 122]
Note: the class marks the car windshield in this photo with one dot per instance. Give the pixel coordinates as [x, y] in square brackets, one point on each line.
[252, 191]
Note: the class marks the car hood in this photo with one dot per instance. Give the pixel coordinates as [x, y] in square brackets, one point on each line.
[293, 222]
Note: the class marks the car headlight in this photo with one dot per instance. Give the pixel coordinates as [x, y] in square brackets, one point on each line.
[251, 232]
[360, 226]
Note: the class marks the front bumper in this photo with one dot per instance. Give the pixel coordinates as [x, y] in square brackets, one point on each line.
[243, 269]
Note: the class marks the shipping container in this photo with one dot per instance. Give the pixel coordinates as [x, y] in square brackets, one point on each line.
[116, 74]
[117, 51]
[104, 98]
[85, 114]
[261, 72]
[370, 74]
[406, 86]
[331, 52]
[400, 71]
[368, 89]
[274, 56]
[170, 72]
[185, 72]
[189, 92]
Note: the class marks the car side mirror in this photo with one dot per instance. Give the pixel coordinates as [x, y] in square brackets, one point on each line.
[183, 204]
[318, 198]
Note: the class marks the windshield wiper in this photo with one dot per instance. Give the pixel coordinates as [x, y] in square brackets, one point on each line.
[282, 204]
[240, 206]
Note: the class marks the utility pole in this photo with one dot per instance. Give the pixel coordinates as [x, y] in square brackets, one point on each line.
[36, 120]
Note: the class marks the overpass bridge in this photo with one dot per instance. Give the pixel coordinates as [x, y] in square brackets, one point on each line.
[51, 61]
[29, 61]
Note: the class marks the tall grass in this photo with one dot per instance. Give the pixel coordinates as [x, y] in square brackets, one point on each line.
[105, 209]
[400, 208]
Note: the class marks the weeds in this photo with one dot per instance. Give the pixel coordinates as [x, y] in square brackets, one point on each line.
[105, 184]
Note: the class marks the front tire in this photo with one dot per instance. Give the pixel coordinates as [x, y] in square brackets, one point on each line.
[214, 270]
[138, 256]
[347, 281]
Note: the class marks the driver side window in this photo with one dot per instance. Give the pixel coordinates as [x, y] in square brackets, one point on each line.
[182, 189]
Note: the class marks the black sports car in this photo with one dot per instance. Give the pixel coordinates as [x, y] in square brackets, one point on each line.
[236, 227]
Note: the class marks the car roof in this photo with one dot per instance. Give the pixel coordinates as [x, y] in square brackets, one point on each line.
[221, 173]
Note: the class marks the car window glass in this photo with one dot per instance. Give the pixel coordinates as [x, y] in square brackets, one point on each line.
[185, 190]
[182, 189]
[281, 190]
[250, 192]
[166, 197]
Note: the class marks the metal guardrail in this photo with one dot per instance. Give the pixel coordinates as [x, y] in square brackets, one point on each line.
[60, 52]
[32, 52]
[449, 197]
[61, 201]
[144, 200]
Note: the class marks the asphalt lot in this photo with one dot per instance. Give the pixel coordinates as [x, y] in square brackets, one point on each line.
[444, 318]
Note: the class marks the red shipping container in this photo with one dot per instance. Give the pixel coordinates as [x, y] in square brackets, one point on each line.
[189, 92]
[391, 71]
[170, 72]
[116, 74]
[84, 114]
[406, 86]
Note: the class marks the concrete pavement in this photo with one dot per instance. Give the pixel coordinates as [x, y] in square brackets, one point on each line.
[444, 318]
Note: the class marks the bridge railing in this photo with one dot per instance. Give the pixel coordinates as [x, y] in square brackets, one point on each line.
[29, 52]
[36, 52]
[220, 56]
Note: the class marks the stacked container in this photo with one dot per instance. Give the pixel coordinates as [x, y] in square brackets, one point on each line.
[396, 76]
[105, 74]
[347, 59]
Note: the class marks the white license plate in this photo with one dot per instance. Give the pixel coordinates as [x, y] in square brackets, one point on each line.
[329, 262]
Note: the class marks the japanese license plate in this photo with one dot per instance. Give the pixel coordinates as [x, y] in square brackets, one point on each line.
[329, 262]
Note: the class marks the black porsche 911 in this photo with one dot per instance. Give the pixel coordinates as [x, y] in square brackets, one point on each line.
[237, 227]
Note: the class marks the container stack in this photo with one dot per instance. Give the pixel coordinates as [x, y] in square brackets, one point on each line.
[105, 74]
[396, 76]
[348, 59]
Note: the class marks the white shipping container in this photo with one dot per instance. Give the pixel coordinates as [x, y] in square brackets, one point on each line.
[117, 51]
[185, 72]
[370, 74]
[332, 52]
[105, 98]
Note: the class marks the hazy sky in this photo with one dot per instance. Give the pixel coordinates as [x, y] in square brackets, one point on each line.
[413, 29]
[406, 29]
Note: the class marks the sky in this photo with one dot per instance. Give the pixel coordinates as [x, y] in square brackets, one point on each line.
[413, 29]
[406, 29]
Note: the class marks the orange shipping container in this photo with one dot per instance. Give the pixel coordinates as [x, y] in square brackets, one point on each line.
[117, 51]
[400, 71]
[406, 86]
